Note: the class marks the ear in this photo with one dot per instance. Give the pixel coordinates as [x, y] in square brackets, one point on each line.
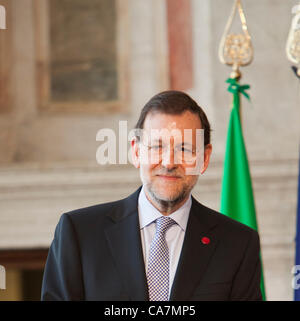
[207, 153]
[135, 152]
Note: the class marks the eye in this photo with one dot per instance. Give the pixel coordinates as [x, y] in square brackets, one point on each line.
[186, 150]
[155, 147]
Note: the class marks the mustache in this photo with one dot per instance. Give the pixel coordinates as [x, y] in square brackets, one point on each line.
[168, 172]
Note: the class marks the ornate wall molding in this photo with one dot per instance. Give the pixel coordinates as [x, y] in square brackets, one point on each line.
[6, 60]
[45, 75]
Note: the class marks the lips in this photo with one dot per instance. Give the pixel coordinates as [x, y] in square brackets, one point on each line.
[168, 177]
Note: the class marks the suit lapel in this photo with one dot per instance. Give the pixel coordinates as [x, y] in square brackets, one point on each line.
[125, 243]
[123, 235]
[195, 254]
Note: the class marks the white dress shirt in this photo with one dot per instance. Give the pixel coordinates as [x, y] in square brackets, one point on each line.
[174, 235]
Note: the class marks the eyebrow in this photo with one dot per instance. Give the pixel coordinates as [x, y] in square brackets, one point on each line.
[154, 140]
[186, 143]
[182, 144]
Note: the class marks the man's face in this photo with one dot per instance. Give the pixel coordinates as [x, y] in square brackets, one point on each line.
[165, 176]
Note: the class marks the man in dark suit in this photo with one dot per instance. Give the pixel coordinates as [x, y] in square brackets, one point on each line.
[159, 243]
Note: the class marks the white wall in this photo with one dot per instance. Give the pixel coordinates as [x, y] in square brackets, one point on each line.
[50, 159]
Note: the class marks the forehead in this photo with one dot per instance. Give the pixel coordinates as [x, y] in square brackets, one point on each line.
[158, 120]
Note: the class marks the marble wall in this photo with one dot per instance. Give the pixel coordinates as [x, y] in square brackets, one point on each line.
[270, 122]
[48, 163]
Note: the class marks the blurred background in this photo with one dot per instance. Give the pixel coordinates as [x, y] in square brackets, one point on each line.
[69, 68]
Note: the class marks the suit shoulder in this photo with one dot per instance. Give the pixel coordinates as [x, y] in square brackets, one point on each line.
[229, 224]
[92, 213]
[88, 217]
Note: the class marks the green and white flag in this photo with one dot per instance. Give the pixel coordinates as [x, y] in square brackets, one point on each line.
[237, 199]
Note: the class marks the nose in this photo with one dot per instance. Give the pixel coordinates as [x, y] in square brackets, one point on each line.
[168, 158]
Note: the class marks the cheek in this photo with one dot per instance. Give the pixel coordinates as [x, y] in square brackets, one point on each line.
[191, 180]
[147, 170]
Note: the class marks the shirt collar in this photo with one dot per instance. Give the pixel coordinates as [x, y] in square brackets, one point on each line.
[148, 213]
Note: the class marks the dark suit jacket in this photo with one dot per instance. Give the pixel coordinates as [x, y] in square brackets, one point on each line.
[97, 254]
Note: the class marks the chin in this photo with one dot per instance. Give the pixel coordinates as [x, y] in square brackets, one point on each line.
[164, 195]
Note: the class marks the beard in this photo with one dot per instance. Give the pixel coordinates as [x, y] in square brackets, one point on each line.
[177, 193]
[167, 203]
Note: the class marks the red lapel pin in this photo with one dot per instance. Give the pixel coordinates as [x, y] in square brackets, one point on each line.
[205, 240]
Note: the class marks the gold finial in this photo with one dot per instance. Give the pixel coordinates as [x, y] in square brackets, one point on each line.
[293, 42]
[236, 50]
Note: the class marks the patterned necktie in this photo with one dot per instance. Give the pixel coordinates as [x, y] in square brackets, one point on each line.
[158, 263]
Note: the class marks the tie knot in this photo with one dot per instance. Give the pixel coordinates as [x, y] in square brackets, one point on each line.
[163, 223]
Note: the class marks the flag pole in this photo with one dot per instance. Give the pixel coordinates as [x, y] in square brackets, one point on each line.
[293, 41]
[293, 55]
[237, 199]
[236, 50]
